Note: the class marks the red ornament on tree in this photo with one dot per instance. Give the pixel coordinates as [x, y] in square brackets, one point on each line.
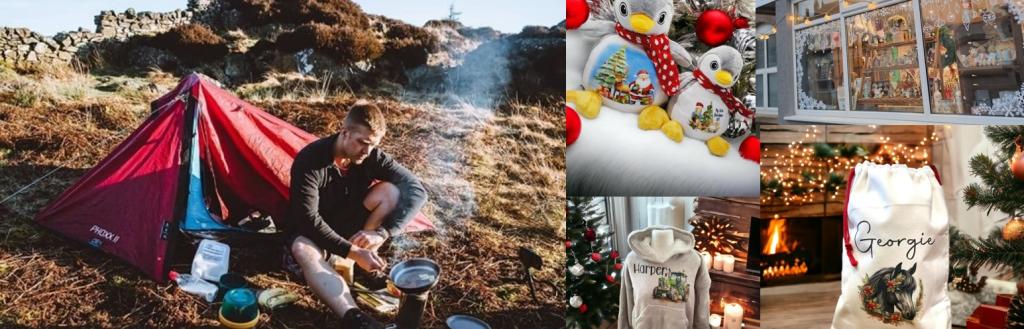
[714, 27]
[568, 244]
[615, 254]
[576, 13]
[750, 149]
[572, 126]
[590, 234]
[583, 308]
[596, 257]
[741, 23]
[618, 266]
[610, 278]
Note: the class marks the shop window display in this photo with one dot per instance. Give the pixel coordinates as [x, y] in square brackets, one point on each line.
[975, 64]
[819, 67]
[884, 69]
[809, 10]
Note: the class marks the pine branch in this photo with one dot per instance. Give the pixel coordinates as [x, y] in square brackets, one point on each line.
[992, 251]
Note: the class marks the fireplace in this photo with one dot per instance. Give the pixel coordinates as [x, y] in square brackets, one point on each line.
[799, 250]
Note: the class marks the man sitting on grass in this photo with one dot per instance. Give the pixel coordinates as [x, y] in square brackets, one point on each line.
[337, 208]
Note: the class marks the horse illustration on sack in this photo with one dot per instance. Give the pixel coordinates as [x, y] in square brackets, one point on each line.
[888, 295]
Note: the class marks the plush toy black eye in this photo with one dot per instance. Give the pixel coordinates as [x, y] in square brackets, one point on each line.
[714, 65]
[661, 18]
[622, 9]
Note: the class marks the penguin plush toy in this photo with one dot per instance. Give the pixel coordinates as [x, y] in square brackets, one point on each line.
[705, 107]
[635, 66]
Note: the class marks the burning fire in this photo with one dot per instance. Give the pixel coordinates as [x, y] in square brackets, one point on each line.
[783, 270]
[778, 243]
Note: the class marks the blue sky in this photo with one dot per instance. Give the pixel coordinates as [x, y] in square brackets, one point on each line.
[51, 16]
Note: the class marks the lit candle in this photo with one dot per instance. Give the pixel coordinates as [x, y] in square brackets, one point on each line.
[715, 320]
[733, 316]
[718, 261]
[728, 263]
[706, 256]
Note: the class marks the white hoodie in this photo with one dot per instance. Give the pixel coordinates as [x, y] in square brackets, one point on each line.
[663, 288]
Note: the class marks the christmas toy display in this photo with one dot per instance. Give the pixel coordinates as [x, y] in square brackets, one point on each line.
[627, 65]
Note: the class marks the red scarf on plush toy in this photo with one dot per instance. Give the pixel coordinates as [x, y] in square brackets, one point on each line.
[657, 48]
[733, 103]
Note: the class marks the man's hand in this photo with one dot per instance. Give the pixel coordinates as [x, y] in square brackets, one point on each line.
[367, 259]
[368, 239]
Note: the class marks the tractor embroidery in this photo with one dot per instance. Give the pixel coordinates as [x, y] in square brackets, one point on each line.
[706, 118]
[672, 288]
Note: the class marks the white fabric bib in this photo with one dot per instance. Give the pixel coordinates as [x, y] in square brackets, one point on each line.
[896, 254]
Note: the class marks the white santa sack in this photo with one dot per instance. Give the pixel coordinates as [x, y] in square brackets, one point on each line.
[896, 243]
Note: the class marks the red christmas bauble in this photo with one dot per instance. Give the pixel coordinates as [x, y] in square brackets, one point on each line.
[618, 266]
[741, 23]
[590, 235]
[615, 254]
[714, 27]
[576, 13]
[610, 278]
[583, 308]
[568, 244]
[572, 126]
[596, 257]
[750, 149]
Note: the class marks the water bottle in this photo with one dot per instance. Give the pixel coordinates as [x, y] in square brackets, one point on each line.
[195, 285]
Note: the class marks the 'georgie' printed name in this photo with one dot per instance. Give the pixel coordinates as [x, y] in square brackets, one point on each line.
[867, 245]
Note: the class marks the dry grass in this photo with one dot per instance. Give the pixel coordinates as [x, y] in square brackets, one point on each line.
[495, 178]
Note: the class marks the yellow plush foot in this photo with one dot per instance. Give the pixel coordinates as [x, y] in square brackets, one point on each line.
[652, 117]
[673, 130]
[588, 103]
[718, 146]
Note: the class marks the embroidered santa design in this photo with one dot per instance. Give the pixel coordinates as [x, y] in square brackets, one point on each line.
[642, 90]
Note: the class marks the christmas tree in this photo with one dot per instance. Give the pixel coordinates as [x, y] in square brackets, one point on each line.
[592, 266]
[612, 70]
[1000, 190]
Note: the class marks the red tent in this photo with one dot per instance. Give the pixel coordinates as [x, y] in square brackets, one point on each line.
[133, 202]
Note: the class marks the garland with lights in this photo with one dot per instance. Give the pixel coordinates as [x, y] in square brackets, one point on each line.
[809, 172]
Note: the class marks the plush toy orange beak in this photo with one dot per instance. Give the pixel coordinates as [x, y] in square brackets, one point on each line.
[723, 78]
[641, 23]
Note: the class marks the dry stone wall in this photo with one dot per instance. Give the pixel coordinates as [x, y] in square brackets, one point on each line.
[20, 46]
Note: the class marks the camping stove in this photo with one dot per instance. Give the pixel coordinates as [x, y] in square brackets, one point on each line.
[414, 277]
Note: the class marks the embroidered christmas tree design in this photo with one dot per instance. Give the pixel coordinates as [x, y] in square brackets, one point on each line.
[703, 118]
[672, 288]
[611, 77]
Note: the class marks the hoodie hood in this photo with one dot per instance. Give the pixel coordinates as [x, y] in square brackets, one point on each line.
[640, 243]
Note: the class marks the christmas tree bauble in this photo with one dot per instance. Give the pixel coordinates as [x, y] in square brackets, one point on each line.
[576, 269]
[590, 234]
[575, 301]
[750, 149]
[1014, 229]
[583, 308]
[1016, 163]
[576, 13]
[596, 257]
[572, 126]
[714, 27]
